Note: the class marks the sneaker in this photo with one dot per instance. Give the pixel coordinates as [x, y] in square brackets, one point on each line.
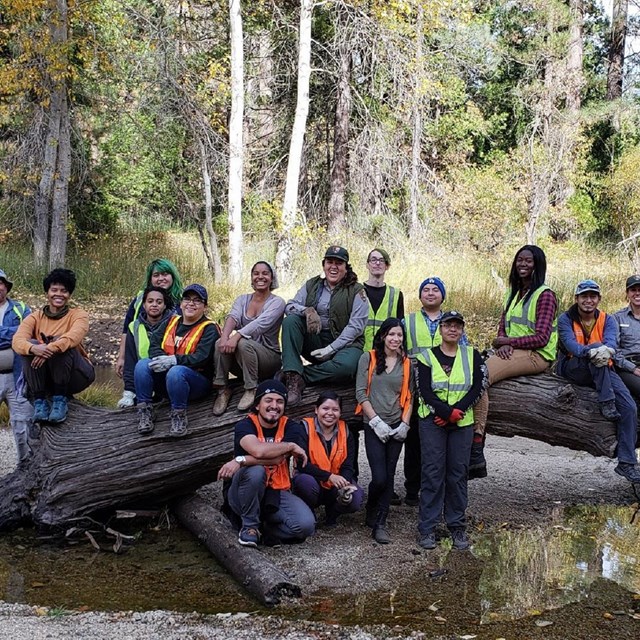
[145, 418]
[42, 408]
[222, 401]
[295, 387]
[460, 539]
[179, 423]
[428, 541]
[477, 462]
[396, 501]
[629, 471]
[248, 537]
[609, 411]
[248, 400]
[128, 400]
[59, 409]
[411, 500]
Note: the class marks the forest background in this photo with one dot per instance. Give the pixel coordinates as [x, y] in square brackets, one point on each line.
[217, 133]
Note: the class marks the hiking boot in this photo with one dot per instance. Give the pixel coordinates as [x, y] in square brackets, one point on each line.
[145, 418]
[179, 423]
[371, 512]
[295, 387]
[59, 409]
[428, 541]
[629, 471]
[477, 462]
[222, 401]
[460, 539]
[380, 534]
[248, 537]
[248, 400]
[609, 411]
[411, 500]
[42, 408]
[396, 500]
[128, 400]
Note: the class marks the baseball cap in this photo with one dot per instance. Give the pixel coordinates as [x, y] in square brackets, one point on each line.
[3, 277]
[632, 281]
[198, 289]
[587, 285]
[447, 316]
[334, 251]
[270, 386]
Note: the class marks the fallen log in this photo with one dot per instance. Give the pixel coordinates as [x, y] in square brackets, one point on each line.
[251, 568]
[97, 460]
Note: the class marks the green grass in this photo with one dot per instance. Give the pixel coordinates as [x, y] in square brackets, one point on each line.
[101, 394]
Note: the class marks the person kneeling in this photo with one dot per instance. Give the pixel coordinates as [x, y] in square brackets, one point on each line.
[180, 364]
[55, 364]
[327, 479]
[260, 482]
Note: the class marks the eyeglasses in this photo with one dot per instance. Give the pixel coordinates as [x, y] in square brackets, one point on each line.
[377, 261]
[194, 301]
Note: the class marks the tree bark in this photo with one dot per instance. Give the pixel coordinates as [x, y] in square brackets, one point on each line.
[96, 460]
[575, 76]
[617, 47]
[416, 124]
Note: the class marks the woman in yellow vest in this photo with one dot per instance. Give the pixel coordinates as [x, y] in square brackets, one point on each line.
[384, 391]
[180, 363]
[527, 337]
[450, 380]
[327, 478]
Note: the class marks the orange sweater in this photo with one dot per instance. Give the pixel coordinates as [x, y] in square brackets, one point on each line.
[69, 330]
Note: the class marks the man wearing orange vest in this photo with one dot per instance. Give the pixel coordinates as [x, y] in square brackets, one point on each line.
[180, 364]
[260, 490]
[587, 344]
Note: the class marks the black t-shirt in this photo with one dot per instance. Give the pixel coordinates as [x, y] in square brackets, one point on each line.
[293, 432]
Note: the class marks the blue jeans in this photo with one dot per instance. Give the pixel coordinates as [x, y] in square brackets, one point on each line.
[180, 384]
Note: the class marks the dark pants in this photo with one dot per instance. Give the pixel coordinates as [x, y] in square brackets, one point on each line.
[61, 375]
[383, 459]
[130, 360]
[445, 465]
[314, 494]
[412, 458]
[632, 382]
[609, 386]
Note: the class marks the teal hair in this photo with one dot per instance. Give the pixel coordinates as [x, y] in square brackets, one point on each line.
[162, 265]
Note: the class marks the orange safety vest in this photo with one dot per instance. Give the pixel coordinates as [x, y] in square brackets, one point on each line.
[318, 453]
[405, 393]
[277, 475]
[188, 343]
[596, 335]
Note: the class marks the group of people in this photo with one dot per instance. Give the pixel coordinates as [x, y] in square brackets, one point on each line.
[418, 382]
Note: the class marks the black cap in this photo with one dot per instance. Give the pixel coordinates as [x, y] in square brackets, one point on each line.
[448, 316]
[199, 290]
[270, 386]
[334, 251]
[632, 281]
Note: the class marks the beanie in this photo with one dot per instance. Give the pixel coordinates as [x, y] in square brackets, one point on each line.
[270, 386]
[437, 282]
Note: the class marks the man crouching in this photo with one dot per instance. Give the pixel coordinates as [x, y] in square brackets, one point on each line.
[260, 483]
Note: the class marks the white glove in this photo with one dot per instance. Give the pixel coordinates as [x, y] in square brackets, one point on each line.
[162, 363]
[345, 495]
[380, 428]
[128, 400]
[323, 354]
[601, 355]
[400, 432]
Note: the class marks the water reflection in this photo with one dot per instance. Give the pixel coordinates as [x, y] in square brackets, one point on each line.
[528, 571]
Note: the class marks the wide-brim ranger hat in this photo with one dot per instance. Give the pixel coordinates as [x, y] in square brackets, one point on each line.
[198, 289]
[632, 281]
[334, 251]
[270, 386]
[451, 316]
[8, 283]
[587, 285]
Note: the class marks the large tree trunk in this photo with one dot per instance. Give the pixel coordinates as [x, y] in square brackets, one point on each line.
[617, 46]
[416, 124]
[575, 75]
[97, 460]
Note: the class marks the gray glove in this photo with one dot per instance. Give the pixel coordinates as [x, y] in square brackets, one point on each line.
[314, 324]
[380, 428]
[345, 495]
[400, 432]
[601, 355]
[162, 363]
[323, 354]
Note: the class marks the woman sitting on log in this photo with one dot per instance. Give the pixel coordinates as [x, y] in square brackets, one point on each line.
[327, 478]
[160, 273]
[180, 363]
[249, 345]
[384, 390]
[55, 364]
[527, 337]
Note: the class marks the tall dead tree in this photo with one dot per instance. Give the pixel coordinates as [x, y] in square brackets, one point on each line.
[617, 45]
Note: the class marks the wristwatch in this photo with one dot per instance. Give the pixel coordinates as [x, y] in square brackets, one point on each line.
[240, 460]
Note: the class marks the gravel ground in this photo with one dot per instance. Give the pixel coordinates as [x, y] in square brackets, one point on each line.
[528, 483]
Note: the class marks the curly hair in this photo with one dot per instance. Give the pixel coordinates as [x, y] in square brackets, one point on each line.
[162, 265]
[378, 343]
[65, 277]
[160, 290]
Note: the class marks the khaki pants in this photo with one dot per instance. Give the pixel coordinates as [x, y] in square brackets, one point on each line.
[251, 361]
[523, 362]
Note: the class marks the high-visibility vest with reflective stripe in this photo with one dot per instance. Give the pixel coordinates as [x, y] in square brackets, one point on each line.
[418, 335]
[520, 321]
[137, 304]
[277, 474]
[453, 387]
[318, 454]
[19, 309]
[189, 341]
[141, 337]
[388, 309]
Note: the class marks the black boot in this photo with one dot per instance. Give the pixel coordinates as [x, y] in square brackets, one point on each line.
[371, 513]
[477, 463]
[380, 533]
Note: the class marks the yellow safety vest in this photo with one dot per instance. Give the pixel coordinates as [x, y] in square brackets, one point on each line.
[418, 335]
[388, 309]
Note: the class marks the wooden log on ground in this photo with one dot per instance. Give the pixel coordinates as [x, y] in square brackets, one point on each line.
[97, 460]
[251, 568]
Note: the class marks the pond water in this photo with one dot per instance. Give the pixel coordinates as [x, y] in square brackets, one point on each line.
[589, 553]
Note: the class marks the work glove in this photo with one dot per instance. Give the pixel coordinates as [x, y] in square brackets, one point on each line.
[440, 422]
[162, 363]
[314, 324]
[323, 354]
[600, 356]
[400, 432]
[380, 428]
[345, 495]
[456, 415]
